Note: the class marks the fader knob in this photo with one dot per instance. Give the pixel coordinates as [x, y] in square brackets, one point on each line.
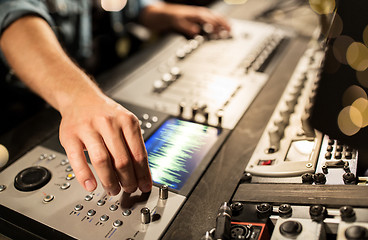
[181, 108]
[175, 72]
[180, 53]
[291, 102]
[280, 123]
[195, 109]
[220, 116]
[307, 128]
[163, 192]
[199, 39]
[145, 215]
[275, 137]
[285, 113]
[167, 78]
[158, 86]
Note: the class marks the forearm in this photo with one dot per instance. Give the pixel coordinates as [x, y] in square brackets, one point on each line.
[90, 120]
[33, 51]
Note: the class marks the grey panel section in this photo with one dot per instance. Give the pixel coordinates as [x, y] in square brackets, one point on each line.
[61, 204]
[303, 194]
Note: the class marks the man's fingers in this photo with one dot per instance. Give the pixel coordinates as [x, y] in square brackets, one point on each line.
[133, 136]
[121, 158]
[100, 159]
[77, 159]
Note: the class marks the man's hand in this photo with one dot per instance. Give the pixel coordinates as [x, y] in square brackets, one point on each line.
[90, 120]
[182, 18]
[112, 136]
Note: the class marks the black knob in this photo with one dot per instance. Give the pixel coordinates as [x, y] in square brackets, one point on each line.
[324, 169]
[291, 229]
[347, 213]
[356, 232]
[246, 178]
[264, 210]
[319, 178]
[317, 212]
[349, 178]
[285, 210]
[307, 178]
[236, 207]
[32, 178]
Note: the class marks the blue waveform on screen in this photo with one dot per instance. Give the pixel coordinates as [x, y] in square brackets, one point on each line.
[176, 149]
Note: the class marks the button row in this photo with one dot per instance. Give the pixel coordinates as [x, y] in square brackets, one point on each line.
[341, 151]
[146, 122]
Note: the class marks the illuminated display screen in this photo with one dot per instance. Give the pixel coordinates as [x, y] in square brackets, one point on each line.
[176, 149]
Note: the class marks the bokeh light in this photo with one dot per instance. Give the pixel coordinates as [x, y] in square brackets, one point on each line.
[322, 6]
[365, 35]
[340, 47]
[351, 94]
[357, 56]
[361, 105]
[362, 77]
[345, 123]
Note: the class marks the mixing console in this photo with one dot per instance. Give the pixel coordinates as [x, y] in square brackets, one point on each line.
[189, 77]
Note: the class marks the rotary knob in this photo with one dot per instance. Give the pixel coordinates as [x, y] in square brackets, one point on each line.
[32, 178]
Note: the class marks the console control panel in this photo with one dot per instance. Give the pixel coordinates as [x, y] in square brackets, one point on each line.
[289, 146]
[257, 221]
[187, 78]
[54, 198]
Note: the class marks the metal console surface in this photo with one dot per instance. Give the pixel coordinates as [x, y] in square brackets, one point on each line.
[204, 79]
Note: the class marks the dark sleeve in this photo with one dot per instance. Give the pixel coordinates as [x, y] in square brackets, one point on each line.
[11, 10]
